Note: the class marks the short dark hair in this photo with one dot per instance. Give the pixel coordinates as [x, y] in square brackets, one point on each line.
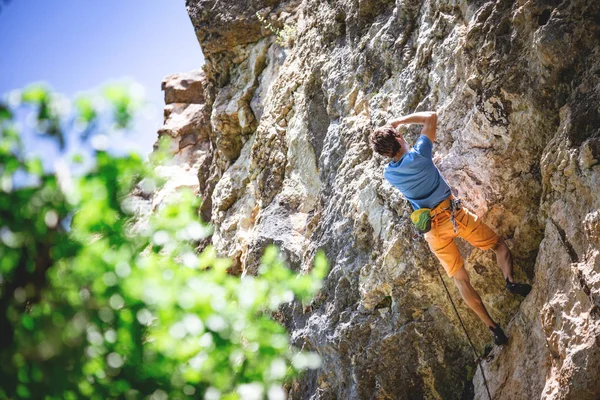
[383, 140]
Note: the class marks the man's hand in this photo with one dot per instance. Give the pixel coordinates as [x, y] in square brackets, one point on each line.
[426, 118]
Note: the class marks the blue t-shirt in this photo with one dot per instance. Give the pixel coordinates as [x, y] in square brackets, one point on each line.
[417, 177]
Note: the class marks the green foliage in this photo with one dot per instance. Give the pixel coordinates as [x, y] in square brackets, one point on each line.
[96, 303]
[4, 112]
[285, 35]
[48, 112]
[123, 103]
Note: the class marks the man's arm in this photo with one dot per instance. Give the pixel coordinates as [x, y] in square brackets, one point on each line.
[426, 118]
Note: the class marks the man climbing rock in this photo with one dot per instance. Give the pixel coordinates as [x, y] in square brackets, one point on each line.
[413, 172]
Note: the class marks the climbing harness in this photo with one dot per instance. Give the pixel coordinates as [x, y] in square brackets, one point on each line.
[423, 218]
[453, 205]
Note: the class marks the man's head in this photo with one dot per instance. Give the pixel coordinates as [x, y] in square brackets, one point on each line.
[386, 140]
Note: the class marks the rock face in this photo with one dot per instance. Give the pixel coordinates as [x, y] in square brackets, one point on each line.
[276, 128]
[187, 124]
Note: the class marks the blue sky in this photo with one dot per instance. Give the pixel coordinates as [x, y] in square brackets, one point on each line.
[77, 45]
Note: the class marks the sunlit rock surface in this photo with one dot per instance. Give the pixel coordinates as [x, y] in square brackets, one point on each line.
[276, 129]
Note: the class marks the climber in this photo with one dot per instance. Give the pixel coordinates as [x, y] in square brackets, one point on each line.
[413, 172]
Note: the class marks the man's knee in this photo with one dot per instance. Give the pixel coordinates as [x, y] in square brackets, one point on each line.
[468, 293]
[500, 247]
[461, 278]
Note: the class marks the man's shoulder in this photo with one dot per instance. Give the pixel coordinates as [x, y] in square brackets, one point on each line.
[424, 140]
[424, 146]
[387, 170]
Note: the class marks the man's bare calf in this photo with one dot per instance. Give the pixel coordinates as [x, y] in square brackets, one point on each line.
[471, 297]
[504, 258]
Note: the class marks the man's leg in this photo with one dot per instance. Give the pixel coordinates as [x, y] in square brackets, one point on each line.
[471, 297]
[504, 258]
[482, 236]
[441, 243]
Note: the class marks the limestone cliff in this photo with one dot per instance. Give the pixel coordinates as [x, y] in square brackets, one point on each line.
[276, 127]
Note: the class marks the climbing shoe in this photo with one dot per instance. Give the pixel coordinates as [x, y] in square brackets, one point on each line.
[499, 336]
[518, 288]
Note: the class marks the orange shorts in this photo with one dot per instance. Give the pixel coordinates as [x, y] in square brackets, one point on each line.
[441, 236]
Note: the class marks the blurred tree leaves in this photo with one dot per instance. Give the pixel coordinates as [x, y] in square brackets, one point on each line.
[48, 111]
[123, 104]
[4, 112]
[97, 303]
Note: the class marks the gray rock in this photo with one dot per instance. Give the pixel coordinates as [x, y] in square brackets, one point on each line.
[516, 86]
[184, 87]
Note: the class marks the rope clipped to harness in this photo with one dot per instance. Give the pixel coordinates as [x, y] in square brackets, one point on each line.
[422, 221]
[478, 358]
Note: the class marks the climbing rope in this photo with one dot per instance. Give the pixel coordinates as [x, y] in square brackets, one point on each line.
[466, 333]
